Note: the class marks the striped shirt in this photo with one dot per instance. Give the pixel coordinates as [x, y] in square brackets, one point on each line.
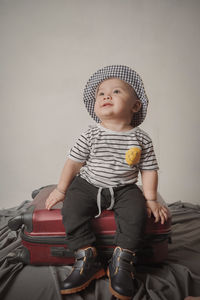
[103, 152]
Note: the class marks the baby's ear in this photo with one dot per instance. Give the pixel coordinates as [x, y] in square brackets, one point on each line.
[136, 106]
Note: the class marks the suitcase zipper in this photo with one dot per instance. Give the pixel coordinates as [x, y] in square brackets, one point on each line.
[43, 240]
[105, 240]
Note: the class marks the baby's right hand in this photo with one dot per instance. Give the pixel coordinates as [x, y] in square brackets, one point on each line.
[54, 198]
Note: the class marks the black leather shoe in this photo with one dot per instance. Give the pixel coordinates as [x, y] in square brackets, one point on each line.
[85, 269]
[121, 274]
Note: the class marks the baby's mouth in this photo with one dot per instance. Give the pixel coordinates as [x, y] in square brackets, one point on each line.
[107, 104]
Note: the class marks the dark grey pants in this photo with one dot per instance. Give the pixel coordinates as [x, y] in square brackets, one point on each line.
[80, 206]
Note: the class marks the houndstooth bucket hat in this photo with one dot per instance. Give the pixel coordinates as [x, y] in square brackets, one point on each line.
[124, 73]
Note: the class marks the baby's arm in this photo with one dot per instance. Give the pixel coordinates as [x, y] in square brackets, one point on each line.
[150, 183]
[70, 170]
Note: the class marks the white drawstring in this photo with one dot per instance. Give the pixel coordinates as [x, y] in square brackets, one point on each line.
[99, 202]
[112, 201]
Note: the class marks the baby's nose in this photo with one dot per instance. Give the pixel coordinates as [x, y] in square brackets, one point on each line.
[108, 97]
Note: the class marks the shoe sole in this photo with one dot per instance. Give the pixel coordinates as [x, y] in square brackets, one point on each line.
[98, 275]
[114, 293]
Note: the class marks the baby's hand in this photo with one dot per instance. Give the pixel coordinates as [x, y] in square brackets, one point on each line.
[54, 198]
[159, 211]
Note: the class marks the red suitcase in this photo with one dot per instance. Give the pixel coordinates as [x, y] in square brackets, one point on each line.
[43, 235]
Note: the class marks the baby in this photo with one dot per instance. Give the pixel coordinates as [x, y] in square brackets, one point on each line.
[101, 172]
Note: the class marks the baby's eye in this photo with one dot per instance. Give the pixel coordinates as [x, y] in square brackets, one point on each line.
[101, 94]
[116, 91]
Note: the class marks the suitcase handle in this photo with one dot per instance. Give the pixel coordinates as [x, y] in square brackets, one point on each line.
[61, 252]
[16, 222]
[24, 218]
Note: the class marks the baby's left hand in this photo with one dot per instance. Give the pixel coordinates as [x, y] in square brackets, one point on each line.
[159, 211]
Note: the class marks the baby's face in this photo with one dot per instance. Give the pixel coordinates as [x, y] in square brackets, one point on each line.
[115, 99]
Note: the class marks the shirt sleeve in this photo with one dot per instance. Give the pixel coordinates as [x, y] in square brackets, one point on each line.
[81, 149]
[148, 159]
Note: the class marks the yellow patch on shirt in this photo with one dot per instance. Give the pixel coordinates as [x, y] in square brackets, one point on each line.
[133, 156]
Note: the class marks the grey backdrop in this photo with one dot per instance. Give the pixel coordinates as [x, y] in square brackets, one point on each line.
[48, 51]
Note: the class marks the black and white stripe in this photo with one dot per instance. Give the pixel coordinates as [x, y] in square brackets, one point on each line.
[103, 152]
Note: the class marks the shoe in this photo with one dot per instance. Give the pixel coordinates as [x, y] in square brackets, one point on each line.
[85, 269]
[121, 270]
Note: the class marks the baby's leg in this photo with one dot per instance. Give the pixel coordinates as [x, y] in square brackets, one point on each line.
[78, 209]
[130, 214]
